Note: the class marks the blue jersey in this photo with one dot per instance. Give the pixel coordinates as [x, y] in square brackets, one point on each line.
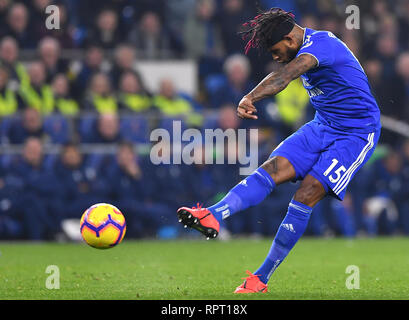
[338, 86]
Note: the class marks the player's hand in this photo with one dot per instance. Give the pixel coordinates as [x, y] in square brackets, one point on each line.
[246, 109]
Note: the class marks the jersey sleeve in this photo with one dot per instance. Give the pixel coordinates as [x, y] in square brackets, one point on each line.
[320, 47]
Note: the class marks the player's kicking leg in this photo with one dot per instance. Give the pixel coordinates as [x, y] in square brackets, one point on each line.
[249, 192]
[290, 231]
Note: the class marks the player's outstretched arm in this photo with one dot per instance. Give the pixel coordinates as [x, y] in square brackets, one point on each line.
[274, 83]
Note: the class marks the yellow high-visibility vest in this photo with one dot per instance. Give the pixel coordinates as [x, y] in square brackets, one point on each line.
[105, 104]
[178, 107]
[8, 103]
[42, 101]
[22, 74]
[136, 102]
[68, 107]
[292, 101]
[172, 107]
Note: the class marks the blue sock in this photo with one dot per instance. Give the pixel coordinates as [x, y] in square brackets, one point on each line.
[248, 192]
[290, 230]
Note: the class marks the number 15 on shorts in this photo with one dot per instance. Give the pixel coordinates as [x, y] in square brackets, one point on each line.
[336, 175]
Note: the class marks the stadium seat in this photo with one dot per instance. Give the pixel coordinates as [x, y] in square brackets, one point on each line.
[50, 160]
[58, 128]
[7, 160]
[86, 128]
[5, 125]
[135, 129]
[213, 84]
[94, 160]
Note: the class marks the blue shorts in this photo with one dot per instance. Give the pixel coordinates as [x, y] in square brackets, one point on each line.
[329, 155]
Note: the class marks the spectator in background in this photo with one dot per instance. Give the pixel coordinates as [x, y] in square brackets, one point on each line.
[203, 39]
[383, 187]
[106, 129]
[402, 70]
[38, 16]
[176, 13]
[170, 104]
[81, 185]
[17, 218]
[92, 64]
[231, 18]
[8, 98]
[49, 53]
[228, 117]
[373, 69]
[64, 102]
[237, 81]
[291, 104]
[4, 7]
[64, 34]
[331, 23]
[41, 191]
[135, 193]
[388, 25]
[132, 96]
[309, 21]
[205, 181]
[202, 35]
[124, 61]
[9, 58]
[100, 96]
[370, 23]
[158, 7]
[403, 201]
[389, 92]
[387, 49]
[13, 213]
[29, 125]
[37, 93]
[106, 32]
[169, 178]
[403, 23]
[17, 26]
[151, 39]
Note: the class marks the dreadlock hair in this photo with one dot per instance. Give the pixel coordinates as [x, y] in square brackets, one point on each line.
[266, 29]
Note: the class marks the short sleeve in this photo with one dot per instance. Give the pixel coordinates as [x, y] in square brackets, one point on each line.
[320, 47]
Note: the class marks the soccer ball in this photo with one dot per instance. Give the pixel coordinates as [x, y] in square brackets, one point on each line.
[103, 226]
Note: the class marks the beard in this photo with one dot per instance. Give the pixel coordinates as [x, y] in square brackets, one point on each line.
[291, 54]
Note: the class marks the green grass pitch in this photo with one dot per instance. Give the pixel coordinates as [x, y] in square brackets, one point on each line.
[200, 269]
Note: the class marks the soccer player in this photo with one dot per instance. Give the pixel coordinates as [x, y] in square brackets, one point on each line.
[325, 153]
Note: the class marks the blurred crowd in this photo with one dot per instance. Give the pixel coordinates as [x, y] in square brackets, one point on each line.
[67, 95]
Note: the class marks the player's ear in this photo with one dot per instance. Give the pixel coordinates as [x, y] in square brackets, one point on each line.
[291, 40]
